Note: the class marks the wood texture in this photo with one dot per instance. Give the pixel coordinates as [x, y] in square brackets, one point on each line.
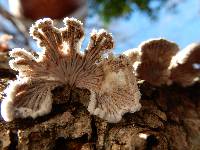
[169, 119]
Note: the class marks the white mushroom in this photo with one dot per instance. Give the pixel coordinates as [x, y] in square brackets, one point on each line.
[111, 81]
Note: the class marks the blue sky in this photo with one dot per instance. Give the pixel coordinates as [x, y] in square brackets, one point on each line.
[181, 26]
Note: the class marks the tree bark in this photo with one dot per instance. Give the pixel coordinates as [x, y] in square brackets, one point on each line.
[169, 119]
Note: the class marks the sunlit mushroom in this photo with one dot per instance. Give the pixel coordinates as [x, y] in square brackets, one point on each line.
[185, 66]
[111, 80]
[155, 58]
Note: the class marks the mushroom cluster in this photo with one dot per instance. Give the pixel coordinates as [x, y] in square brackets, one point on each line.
[110, 80]
[160, 62]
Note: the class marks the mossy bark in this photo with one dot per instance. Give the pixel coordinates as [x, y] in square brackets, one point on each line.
[169, 119]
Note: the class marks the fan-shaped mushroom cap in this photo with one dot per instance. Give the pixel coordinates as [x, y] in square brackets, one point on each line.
[111, 80]
[156, 55]
[133, 54]
[185, 66]
[118, 93]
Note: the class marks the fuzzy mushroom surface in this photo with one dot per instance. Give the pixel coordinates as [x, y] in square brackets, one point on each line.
[154, 60]
[185, 66]
[110, 80]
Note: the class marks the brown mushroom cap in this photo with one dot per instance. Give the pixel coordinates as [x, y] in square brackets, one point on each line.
[133, 54]
[156, 55]
[111, 80]
[119, 93]
[185, 68]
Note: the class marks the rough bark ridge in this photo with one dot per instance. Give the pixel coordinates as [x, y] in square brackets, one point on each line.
[169, 119]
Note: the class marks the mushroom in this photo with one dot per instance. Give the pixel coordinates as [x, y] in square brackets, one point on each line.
[185, 66]
[155, 58]
[110, 80]
[118, 94]
[133, 55]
